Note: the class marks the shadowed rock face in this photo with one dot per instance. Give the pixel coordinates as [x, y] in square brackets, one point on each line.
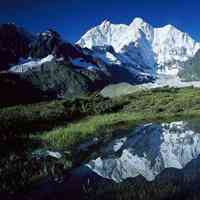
[150, 150]
[14, 44]
[120, 66]
[50, 80]
[46, 64]
[50, 42]
[15, 90]
[63, 80]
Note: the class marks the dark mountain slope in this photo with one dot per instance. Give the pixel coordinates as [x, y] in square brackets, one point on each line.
[14, 44]
[15, 90]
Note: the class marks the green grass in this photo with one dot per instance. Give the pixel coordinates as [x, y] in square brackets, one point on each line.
[65, 124]
[76, 133]
[23, 120]
[173, 186]
[78, 119]
[159, 104]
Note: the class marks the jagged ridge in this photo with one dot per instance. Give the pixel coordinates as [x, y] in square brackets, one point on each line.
[163, 47]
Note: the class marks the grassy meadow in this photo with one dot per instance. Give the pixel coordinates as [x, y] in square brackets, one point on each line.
[63, 125]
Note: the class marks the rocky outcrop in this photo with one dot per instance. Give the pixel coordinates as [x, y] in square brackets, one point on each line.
[45, 67]
[14, 44]
[50, 42]
[61, 79]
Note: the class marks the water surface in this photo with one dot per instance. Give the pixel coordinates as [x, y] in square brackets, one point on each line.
[148, 151]
[152, 161]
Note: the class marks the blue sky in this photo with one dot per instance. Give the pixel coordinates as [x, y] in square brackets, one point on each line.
[72, 18]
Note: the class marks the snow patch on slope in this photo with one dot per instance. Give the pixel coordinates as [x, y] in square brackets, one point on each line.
[31, 64]
[80, 62]
[169, 80]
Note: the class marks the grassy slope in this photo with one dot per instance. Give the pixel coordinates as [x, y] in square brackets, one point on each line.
[159, 104]
[23, 120]
[74, 121]
[85, 117]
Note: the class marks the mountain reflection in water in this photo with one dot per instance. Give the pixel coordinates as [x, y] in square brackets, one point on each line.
[153, 161]
[148, 151]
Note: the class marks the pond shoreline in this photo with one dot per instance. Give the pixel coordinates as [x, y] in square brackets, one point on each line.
[140, 107]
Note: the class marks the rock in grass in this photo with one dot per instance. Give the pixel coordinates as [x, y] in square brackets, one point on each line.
[120, 89]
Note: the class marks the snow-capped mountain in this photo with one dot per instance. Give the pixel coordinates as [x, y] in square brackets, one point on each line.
[150, 150]
[107, 54]
[161, 49]
[120, 66]
[50, 66]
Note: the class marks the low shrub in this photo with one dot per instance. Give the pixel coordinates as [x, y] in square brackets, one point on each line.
[92, 105]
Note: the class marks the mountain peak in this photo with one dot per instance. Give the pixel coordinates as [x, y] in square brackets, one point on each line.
[163, 46]
[49, 33]
[141, 26]
[139, 22]
[169, 27]
[105, 23]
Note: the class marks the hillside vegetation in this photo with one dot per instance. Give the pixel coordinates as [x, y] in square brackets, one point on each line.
[63, 125]
[157, 104]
